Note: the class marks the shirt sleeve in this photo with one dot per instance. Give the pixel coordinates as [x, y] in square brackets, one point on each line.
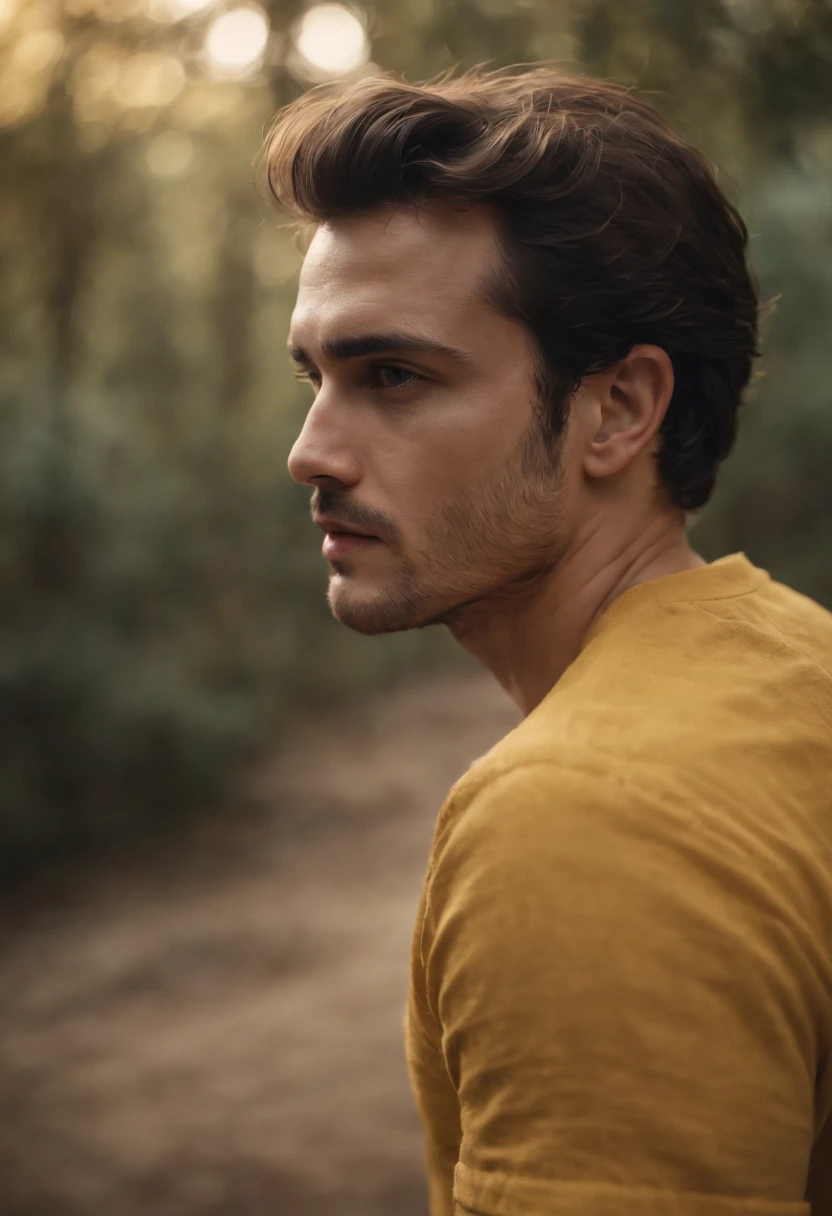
[624, 1004]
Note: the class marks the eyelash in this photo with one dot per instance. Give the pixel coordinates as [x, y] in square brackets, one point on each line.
[412, 378]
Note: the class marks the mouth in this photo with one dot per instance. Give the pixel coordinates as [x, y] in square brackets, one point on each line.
[342, 539]
[335, 527]
[341, 544]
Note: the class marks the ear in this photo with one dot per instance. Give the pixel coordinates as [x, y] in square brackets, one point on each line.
[631, 402]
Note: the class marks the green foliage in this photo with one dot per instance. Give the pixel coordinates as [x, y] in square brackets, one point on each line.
[152, 638]
[163, 614]
[775, 500]
[121, 700]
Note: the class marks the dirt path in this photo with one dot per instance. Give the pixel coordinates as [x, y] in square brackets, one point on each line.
[223, 1034]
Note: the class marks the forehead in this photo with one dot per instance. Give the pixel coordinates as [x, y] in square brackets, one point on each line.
[397, 268]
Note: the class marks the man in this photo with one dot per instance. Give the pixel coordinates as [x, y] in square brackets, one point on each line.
[527, 319]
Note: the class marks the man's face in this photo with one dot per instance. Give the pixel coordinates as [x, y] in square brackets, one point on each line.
[424, 433]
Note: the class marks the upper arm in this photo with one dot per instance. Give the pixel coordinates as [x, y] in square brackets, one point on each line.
[618, 1009]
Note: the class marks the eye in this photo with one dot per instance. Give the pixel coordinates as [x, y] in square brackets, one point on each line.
[308, 377]
[395, 379]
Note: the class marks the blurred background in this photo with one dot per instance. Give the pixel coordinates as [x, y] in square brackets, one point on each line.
[215, 803]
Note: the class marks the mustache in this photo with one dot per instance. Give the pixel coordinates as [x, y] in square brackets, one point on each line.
[343, 509]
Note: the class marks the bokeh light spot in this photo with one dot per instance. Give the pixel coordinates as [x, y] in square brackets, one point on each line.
[8, 12]
[94, 79]
[236, 41]
[38, 51]
[180, 9]
[331, 39]
[149, 79]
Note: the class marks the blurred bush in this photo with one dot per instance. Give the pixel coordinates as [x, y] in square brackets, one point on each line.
[133, 661]
[163, 614]
[158, 628]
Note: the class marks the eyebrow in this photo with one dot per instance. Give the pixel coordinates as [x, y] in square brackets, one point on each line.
[342, 349]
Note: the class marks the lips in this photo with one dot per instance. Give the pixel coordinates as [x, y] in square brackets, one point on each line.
[341, 545]
[334, 527]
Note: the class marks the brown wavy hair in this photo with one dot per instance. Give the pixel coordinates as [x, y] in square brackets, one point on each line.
[614, 230]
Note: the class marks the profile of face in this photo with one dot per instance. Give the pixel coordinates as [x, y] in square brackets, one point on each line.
[424, 434]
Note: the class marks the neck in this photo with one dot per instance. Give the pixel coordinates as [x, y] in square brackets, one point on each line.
[528, 635]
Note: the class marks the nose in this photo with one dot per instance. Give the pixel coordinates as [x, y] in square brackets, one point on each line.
[324, 451]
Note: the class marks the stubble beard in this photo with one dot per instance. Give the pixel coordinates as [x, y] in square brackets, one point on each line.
[480, 553]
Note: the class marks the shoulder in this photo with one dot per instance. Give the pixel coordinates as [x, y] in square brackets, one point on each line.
[560, 894]
[579, 860]
[528, 845]
[506, 811]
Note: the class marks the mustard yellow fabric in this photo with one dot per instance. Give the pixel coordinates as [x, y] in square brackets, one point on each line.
[621, 992]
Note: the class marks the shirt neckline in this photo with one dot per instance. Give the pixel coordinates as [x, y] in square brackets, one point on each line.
[725, 578]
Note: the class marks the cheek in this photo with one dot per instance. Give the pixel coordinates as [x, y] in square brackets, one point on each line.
[445, 487]
[449, 452]
[466, 457]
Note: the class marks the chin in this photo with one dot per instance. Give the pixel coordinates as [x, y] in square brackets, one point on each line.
[392, 610]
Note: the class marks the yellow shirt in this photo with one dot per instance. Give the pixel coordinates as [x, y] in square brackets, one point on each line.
[621, 991]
